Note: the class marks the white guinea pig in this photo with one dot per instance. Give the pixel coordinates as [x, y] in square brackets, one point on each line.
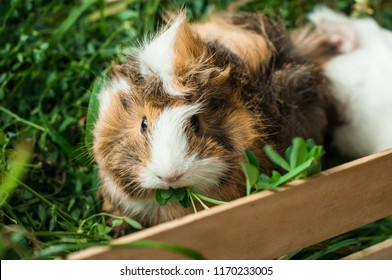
[362, 77]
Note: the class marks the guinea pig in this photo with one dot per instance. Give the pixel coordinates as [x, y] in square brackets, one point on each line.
[181, 110]
[361, 74]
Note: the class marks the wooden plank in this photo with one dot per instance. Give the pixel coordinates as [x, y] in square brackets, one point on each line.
[380, 251]
[268, 225]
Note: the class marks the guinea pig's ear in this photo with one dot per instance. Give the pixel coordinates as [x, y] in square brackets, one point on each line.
[340, 34]
[336, 27]
[188, 49]
[171, 54]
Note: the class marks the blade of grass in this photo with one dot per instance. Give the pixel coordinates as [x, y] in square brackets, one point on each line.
[64, 249]
[210, 200]
[187, 252]
[92, 112]
[333, 248]
[72, 17]
[68, 218]
[112, 8]
[19, 119]
[130, 221]
[293, 173]
[192, 202]
[200, 201]
[9, 13]
[57, 137]
[289, 256]
[11, 178]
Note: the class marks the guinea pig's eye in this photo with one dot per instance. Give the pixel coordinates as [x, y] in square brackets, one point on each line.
[195, 123]
[143, 126]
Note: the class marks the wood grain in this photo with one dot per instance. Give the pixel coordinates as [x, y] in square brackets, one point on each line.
[268, 225]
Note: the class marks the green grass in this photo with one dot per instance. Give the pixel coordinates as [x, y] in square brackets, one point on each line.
[51, 52]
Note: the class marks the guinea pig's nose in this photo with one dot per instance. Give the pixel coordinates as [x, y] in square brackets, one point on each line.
[170, 179]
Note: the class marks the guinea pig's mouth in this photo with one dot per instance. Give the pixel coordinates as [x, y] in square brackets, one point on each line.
[201, 175]
[186, 196]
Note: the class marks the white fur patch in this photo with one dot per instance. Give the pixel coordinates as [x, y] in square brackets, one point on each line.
[130, 206]
[169, 155]
[114, 87]
[157, 57]
[120, 85]
[321, 13]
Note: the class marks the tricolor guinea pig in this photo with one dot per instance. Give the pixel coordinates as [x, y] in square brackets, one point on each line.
[182, 109]
[361, 74]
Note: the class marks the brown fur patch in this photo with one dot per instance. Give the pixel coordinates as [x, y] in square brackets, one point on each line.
[251, 47]
[313, 45]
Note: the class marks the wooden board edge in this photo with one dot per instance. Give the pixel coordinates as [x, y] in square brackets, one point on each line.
[380, 251]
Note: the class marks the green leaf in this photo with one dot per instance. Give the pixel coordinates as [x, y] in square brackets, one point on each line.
[106, 230]
[275, 176]
[251, 174]
[315, 168]
[166, 194]
[312, 152]
[163, 196]
[310, 144]
[133, 223]
[42, 214]
[101, 229]
[263, 182]
[252, 159]
[71, 204]
[53, 221]
[179, 194]
[117, 223]
[182, 196]
[276, 158]
[299, 152]
[288, 152]
[320, 152]
[186, 201]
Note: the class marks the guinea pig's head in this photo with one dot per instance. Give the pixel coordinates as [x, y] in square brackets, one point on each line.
[172, 116]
